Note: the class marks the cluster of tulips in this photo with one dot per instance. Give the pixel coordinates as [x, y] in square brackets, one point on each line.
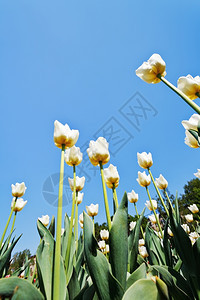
[160, 261]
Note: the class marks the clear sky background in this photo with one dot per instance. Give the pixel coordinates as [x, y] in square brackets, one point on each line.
[75, 61]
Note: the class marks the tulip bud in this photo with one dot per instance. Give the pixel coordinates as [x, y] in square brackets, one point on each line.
[79, 197]
[190, 140]
[143, 251]
[152, 219]
[193, 208]
[104, 234]
[169, 232]
[92, 210]
[186, 228]
[102, 244]
[73, 156]
[81, 224]
[18, 189]
[192, 124]
[81, 218]
[19, 204]
[189, 218]
[189, 86]
[132, 225]
[148, 204]
[80, 181]
[145, 160]
[132, 197]
[98, 151]
[161, 182]
[197, 174]
[111, 176]
[63, 135]
[141, 242]
[194, 235]
[149, 70]
[44, 220]
[143, 179]
[106, 249]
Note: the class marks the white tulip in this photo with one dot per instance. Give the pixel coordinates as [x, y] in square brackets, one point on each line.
[189, 218]
[132, 197]
[143, 251]
[141, 242]
[81, 224]
[149, 70]
[62, 231]
[189, 85]
[81, 218]
[19, 204]
[63, 135]
[143, 179]
[44, 220]
[193, 208]
[190, 140]
[192, 123]
[169, 232]
[18, 189]
[73, 156]
[102, 244]
[154, 203]
[152, 218]
[192, 240]
[98, 151]
[194, 235]
[132, 225]
[80, 181]
[161, 182]
[92, 210]
[104, 234]
[106, 249]
[111, 176]
[186, 228]
[197, 174]
[79, 197]
[145, 160]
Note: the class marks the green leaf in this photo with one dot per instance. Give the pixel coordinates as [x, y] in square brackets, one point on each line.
[73, 286]
[154, 247]
[162, 288]
[52, 226]
[144, 289]
[19, 289]
[118, 241]
[140, 273]
[166, 246]
[177, 214]
[106, 286]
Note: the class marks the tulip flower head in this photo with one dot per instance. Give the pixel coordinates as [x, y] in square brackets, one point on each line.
[98, 151]
[194, 235]
[189, 218]
[44, 220]
[152, 219]
[106, 249]
[79, 197]
[111, 176]
[141, 242]
[193, 208]
[145, 160]
[148, 204]
[143, 179]
[92, 210]
[73, 156]
[80, 181]
[132, 225]
[132, 197]
[190, 140]
[169, 232]
[190, 86]
[62, 231]
[197, 174]
[81, 218]
[102, 245]
[186, 228]
[192, 127]
[161, 182]
[149, 70]
[18, 189]
[143, 251]
[81, 224]
[19, 204]
[104, 234]
[63, 135]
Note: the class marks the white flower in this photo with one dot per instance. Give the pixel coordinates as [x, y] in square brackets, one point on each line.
[145, 160]
[81, 224]
[193, 208]
[169, 231]
[104, 234]
[92, 210]
[190, 140]
[111, 176]
[62, 231]
[149, 70]
[143, 251]
[154, 203]
[152, 218]
[98, 151]
[80, 181]
[141, 242]
[73, 156]
[19, 204]
[192, 123]
[44, 220]
[189, 218]
[189, 86]
[102, 244]
[186, 228]
[192, 240]
[132, 225]
[132, 197]
[79, 197]
[73, 220]
[143, 179]
[81, 218]
[197, 174]
[194, 235]
[106, 249]
[161, 182]
[63, 135]
[18, 189]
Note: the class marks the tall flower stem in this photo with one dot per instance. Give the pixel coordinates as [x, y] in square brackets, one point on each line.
[180, 93]
[13, 224]
[157, 220]
[115, 196]
[71, 222]
[166, 194]
[138, 218]
[56, 275]
[8, 222]
[93, 226]
[76, 222]
[105, 196]
[158, 192]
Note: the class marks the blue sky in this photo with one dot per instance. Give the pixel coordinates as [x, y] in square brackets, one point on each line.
[75, 61]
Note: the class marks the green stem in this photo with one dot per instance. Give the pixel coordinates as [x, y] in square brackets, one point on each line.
[158, 192]
[9, 218]
[105, 196]
[138, 218]
[166, 194]
[76, 222]
[71, 224]
[93, 226]
[56, 275]
[157, 220]
[180, 93]
[115, 196]
[13, 224]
